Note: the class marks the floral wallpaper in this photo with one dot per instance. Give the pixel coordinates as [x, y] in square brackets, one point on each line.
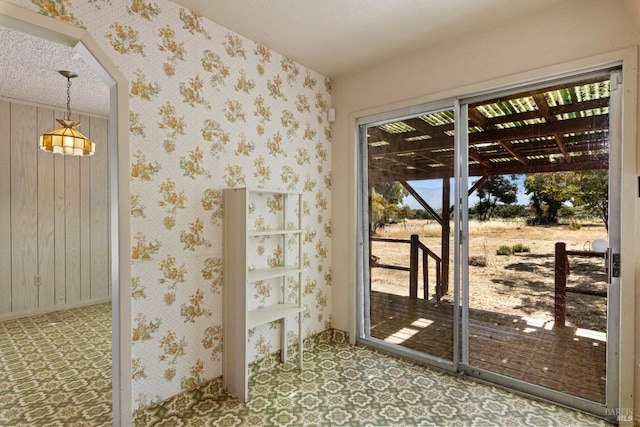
[209, 109]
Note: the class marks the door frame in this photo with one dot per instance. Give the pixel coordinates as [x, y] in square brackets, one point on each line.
[613, 300]
[628, 58]
[362, 291]
[21, 19]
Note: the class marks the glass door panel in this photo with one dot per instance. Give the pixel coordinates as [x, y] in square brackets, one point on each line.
[410, 169]
[538, 179]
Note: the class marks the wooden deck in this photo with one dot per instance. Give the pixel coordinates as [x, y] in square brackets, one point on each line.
[565, 358]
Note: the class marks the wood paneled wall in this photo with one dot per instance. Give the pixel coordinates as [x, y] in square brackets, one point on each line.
[54, 214]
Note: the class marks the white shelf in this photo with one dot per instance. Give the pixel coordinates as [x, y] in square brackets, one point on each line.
[274, 232]
[239, 249]
[272, 313]
[271, 272]
[260, 191]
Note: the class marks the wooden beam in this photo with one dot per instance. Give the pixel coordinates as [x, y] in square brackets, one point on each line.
[595, 163]
[475, 155]
[577, 150]
[563, 149]
[422, 126]
[591, 104]
[543, 107]
[477, 118]
[376, 134]
[477, 184]
[582, 124]
[423, 160]
[509, 147]
[444, 160]
[422, 202]
[553, 111]
[398, 145]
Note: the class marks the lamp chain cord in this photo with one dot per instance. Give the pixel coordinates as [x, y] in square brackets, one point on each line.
[68, 99]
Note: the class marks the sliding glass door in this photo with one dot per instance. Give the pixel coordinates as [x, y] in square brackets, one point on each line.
[491, 234]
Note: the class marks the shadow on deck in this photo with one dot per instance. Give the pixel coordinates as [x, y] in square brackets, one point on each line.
[567, 359]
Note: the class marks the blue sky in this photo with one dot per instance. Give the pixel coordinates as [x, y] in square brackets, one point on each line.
[431, 192]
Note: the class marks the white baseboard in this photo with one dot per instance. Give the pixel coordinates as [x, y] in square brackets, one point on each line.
[46, 310]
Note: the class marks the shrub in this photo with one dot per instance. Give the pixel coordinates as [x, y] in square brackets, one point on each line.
[503, 250]
[478, 261]
[518, 248]
[573, 225]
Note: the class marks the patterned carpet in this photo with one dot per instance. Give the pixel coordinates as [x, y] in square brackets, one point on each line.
[56, 370]
[343, 385]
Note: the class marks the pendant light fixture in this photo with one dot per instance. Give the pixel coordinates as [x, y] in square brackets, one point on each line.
[66, 140]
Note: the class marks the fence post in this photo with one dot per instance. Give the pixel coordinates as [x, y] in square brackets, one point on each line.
[439, 292]
[413, 268]
[425, 274]
[560, 308]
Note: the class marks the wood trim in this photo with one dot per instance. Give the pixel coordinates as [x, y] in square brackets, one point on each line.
[5, 206]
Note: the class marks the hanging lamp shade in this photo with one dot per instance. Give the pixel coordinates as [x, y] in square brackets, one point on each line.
[67, 140]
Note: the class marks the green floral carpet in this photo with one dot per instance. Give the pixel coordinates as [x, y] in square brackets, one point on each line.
[55, 370]
[343, 385]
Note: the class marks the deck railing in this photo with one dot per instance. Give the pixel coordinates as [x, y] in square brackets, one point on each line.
[561, 288]
[416, 247]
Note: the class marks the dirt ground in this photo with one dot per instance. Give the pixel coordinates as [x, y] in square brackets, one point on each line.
[520, 284]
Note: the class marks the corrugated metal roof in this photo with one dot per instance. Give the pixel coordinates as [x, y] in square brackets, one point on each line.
[555, 128]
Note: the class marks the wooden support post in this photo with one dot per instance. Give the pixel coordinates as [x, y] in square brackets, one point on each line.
[560, 307]
[425, 275]
[438, 277]
[413, 268]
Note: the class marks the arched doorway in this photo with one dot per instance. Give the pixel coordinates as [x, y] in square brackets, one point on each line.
[32, 23]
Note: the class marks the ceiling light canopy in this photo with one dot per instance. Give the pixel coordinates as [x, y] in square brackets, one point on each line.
[66, 140]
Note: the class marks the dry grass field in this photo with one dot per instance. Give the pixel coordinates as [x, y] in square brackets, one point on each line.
[519, 284]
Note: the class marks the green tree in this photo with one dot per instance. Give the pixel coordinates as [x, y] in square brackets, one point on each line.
[590, 191]
[406, 212]
[496, 188]
[421, 214]
[393, 192]
[385, 205]
[549, 191]
[512, 211]
[377, 211]
[567, 212]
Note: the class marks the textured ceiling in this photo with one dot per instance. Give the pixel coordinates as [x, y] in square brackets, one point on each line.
[336, 37]
[333, 37]
[29, 68]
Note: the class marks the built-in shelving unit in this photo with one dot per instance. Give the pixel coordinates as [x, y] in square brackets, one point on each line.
[262, 244]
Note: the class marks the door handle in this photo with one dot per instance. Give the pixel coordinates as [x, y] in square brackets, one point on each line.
[615, 265]
[612, 264]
